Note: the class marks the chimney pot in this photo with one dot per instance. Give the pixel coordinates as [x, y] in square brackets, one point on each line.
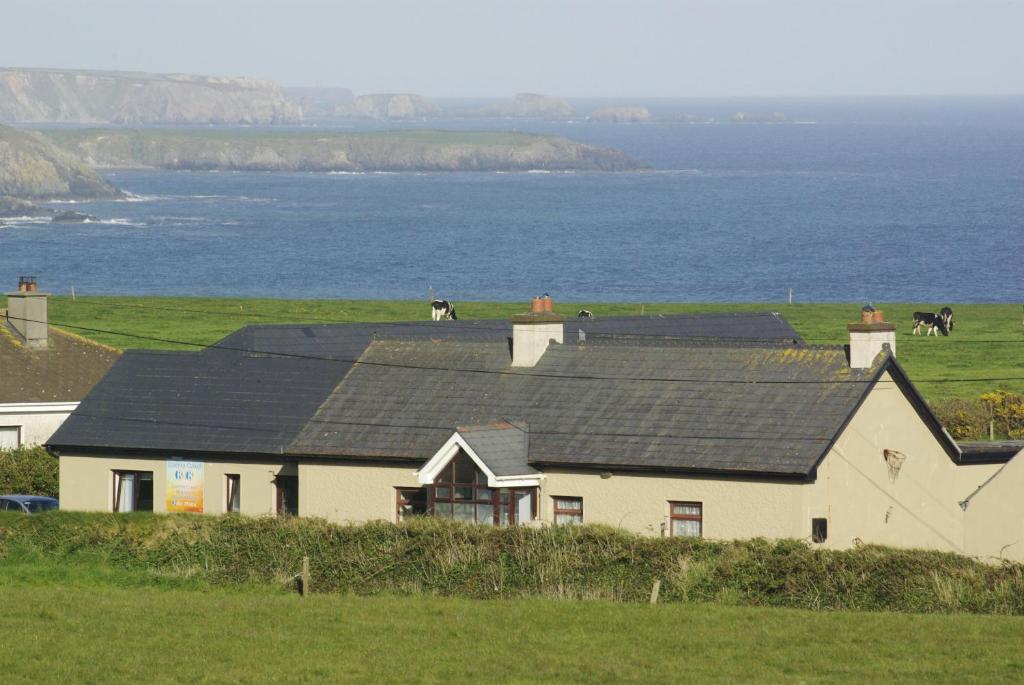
[549, 304]
[536, 305]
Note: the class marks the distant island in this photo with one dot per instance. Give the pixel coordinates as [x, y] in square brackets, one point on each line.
[417, 150]
[631, 114]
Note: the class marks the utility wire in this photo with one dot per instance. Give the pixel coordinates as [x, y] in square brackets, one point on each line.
[362, 362]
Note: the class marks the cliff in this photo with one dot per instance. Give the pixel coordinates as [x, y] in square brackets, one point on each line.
[390, 106]
[32, 167]
[531, 105]
[620, 114]
[318, 151]
[319, 103]
[73, 96]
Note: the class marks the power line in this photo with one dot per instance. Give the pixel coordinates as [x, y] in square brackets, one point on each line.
[449, 429]
[362, 362]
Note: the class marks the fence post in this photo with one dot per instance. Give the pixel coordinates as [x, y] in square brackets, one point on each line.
[305, 576]
[791, 296]
[654, 591]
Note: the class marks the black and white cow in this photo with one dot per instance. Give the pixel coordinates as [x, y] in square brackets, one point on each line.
[585, 314]
[933, 322]
[442, 309]
[946, 314]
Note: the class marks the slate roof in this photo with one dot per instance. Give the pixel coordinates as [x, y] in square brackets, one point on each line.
[990, 452]
[768, 410]
[63, 372]
[502, 446]
[200, 402]
[254, 391]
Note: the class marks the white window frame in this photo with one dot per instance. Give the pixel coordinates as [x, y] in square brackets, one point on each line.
[19, 431]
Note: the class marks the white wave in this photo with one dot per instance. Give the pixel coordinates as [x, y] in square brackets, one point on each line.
[538, 171]
[114, 222]
[346, 173]
[132, 197]
[25, 219]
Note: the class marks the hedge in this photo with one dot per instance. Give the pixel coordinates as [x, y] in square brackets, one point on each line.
[28, 471]
[451, 559]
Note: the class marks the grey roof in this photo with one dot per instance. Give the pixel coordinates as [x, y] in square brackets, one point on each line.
[64, 371]
[348, 340]
[254, 390]
[211, 402]
[502, 446]
[699, 406]
[990, 451]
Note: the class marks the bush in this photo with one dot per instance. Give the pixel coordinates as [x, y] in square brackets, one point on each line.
[440, 557]
[964, 419]
[1007, 410]
[28, 471]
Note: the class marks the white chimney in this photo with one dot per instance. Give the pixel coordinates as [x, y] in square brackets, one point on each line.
[533, 332]
[868, 337]
[26, 312]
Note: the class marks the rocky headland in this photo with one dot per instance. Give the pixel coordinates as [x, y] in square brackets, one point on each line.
[33, 169]
[116, 97]
[530, 105]
[387, 106]
[621, 115]
[319, 151]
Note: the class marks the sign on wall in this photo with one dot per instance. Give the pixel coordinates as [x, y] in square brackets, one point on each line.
[185, 486]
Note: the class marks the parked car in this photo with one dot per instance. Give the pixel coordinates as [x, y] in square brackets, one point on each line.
[27, 504]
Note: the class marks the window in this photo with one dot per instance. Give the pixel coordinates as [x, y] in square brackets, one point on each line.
[10, 437]
[568, 510]
[460, 491]
[411, 502]
[233, 503]
[686, 519]
[819, 530]
[133, 491]
[287, 495]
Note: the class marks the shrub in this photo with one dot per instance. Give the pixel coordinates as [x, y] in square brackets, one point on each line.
[1007, 410]
[964, 419]
[28, 471]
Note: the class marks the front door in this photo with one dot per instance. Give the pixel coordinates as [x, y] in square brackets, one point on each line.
[287, 495]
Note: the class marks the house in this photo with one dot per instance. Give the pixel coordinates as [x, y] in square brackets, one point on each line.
[44, 372]
[722, 426]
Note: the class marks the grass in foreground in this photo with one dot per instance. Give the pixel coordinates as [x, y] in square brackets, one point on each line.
[79, 626]
[987, 344]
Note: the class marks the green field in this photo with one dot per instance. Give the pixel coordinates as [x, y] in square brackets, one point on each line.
[987, 344]
[77, 624]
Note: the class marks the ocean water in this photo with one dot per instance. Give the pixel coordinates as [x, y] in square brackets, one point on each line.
[887, 200]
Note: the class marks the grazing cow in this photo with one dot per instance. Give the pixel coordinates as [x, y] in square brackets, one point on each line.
[585, 314]
[933, 322]
[442, 309]
[946, 314]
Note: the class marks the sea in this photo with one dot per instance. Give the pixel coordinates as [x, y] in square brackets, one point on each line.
[848, 200]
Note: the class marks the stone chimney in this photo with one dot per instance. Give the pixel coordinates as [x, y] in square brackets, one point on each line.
[534, 331]
[26, 312]
[869, 336]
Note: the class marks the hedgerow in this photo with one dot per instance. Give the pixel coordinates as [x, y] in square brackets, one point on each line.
[437, 557]
[28, 471]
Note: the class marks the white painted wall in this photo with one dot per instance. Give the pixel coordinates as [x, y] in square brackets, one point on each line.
[36, 421]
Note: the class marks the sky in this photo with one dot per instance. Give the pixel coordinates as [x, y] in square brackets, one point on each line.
[570, 48]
